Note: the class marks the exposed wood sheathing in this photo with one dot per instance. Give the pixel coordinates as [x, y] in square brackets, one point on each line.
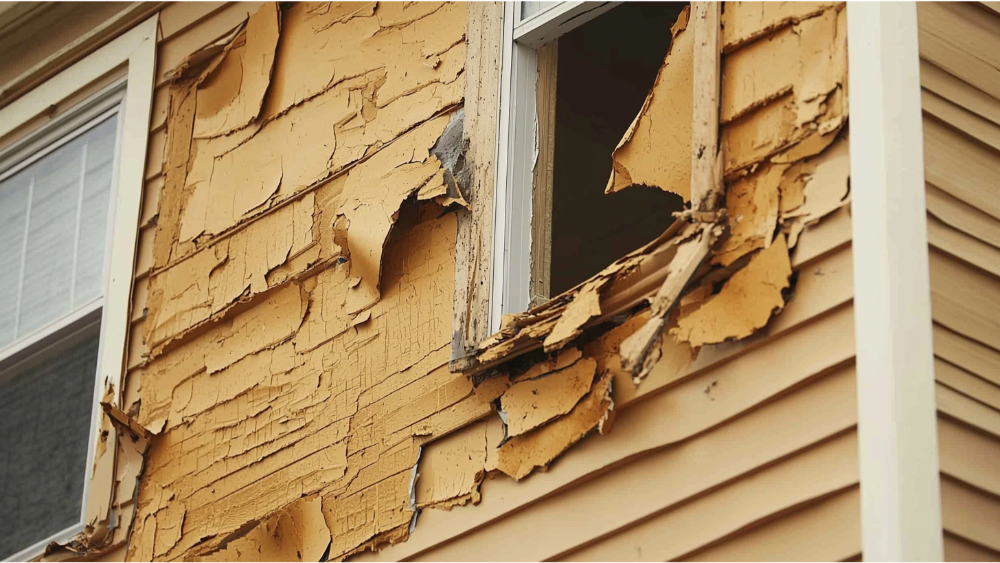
[961, 123]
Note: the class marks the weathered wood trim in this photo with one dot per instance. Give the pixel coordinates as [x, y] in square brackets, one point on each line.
[541, 207]
[473, 255]
[706, 167]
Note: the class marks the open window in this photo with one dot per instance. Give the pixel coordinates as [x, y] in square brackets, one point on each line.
[71, 162]
[575, 76]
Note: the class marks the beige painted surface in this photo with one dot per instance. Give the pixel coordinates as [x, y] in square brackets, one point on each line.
[749, 451]
[291, 391]
[959, 44]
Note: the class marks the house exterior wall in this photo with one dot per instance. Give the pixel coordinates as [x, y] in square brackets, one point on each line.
[959, 46]
[289, 409]
[311, 399]
[748, 450]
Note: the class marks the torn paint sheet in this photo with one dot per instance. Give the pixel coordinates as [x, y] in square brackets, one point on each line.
[814, 188]
[452, 470]
[374, 192]
[298, 532]
[743, 22]
[585, 305]
[233, 94]
[664, 122]
[534, 402]
[752, 205]
[744, 304]
[521, 455]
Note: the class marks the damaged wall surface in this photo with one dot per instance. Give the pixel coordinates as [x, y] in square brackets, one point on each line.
[706, 449]
[959, 46]
[292, 315]
[292, 309]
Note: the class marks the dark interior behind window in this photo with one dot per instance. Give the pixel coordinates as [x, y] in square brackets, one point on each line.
[606, 69]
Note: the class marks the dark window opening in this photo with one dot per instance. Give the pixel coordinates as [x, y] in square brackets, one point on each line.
[605, 70]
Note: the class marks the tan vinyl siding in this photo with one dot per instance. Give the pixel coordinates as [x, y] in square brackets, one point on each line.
[960, 75]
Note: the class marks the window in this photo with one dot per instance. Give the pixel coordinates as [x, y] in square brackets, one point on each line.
[53, 234]
[71, 167]
[574, 77]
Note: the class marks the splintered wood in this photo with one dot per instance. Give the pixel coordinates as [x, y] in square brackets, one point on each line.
[718, 274]
[294, 389]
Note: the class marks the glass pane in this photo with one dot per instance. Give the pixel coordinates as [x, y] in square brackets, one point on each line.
[45, 414]
[52, 233]
[48, 261]
[529, 9]
[13, 208]
[94, 212]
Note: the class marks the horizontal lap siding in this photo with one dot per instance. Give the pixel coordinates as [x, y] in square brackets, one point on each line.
[185, 27]
[768, 426]
[751, 453]
[960, 75]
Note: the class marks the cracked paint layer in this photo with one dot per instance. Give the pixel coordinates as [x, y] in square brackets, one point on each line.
[296, 396]
[231, 96]
[299, 306]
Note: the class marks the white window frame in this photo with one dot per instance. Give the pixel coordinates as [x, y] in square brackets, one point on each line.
[135, 50]
[517, 146]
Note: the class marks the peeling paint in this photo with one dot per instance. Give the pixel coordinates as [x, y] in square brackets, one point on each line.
[297, 397]
[663, 122]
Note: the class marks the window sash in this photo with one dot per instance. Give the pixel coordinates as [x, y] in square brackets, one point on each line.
[76, 123]
[553, 20]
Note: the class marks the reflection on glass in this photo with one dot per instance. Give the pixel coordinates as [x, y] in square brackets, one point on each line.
[529, 9]
[53, 219]
[45, 413]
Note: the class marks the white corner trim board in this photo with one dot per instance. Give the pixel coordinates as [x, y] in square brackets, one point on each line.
[897, 419]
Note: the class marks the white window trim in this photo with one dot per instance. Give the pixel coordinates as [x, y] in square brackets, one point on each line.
[897, 413]
[136, 50]
[517, 146]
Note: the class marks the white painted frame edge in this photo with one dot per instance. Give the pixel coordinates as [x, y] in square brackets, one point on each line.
[518, 146]
[137, 49]
[897, 416]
